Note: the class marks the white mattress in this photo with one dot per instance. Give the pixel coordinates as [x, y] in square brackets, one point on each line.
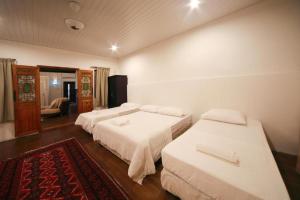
[88, 120]
[256, 177]
[140, 142]
[181, 188]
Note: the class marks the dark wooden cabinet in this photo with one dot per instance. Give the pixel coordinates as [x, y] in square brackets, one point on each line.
[117, 90]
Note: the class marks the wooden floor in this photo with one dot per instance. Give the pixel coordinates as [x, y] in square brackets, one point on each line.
[58, 121]
[286, 164]
[151, 188]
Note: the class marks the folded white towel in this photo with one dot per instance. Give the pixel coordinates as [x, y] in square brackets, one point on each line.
[229, 156]
[120, 121]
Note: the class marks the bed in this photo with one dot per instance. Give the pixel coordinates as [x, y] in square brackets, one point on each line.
[190, 174]
[140, 141]
[88, 120]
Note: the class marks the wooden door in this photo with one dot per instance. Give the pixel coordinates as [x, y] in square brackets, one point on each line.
[26, 81]
[85, 90]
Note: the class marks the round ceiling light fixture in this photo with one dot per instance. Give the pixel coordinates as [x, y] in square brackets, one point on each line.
[74, 24]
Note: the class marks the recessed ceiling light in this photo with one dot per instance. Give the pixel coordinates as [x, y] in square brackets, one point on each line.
[114, 47]
[194, 4]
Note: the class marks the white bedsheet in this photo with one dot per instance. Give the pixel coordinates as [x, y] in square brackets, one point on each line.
[256, 177]
[140, 141]
[88, 120]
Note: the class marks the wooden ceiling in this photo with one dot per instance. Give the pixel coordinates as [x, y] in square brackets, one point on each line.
[132, 24]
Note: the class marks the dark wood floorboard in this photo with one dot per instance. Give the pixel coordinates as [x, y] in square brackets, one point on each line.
[287, 167]
[58, 121]
[151, 188]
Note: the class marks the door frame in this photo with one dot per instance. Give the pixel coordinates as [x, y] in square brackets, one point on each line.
[46, 68]
[57, 69]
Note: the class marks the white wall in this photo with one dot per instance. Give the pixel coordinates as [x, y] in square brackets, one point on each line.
[36, 55]
[249, 60]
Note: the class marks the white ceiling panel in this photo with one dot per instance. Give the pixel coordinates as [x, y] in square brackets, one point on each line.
[132, 24]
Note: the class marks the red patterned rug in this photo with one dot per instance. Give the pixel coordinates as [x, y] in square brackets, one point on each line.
[59, 171]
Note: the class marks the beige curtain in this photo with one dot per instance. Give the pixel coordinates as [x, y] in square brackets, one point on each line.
[6, 90]
[101, 88]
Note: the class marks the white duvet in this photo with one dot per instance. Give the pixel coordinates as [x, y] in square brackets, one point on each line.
[88, 120]
[139, 142]
[256, 176]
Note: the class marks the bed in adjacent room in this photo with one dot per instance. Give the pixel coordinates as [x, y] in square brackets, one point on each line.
[88, 120]
[139, 137]
[217, 160]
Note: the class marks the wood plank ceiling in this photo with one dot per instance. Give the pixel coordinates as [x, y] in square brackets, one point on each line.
[132, 24]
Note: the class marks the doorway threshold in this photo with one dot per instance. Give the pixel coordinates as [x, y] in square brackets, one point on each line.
[56, 126]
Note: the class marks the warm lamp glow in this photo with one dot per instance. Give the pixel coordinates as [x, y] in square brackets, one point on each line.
[55, 82]
[194, 4]
[114, 48]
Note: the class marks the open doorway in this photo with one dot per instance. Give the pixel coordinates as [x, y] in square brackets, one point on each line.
[69, 90]
[58, 96]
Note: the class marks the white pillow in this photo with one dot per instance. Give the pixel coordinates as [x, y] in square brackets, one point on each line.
[150, 108]
[225, 115]
[171, 111]
[130, 105]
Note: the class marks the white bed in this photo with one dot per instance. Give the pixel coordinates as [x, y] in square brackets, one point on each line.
[191, 174]
[88, 120]
[139, 143]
